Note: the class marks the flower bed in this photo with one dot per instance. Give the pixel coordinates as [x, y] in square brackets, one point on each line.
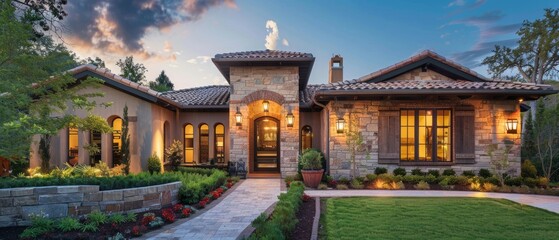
[98, 225]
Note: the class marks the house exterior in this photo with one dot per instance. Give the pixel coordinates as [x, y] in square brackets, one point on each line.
[425, 112]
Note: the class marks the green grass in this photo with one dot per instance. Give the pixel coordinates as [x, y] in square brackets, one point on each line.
[435, 218]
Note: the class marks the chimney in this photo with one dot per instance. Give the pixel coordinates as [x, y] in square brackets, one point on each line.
[336, 69]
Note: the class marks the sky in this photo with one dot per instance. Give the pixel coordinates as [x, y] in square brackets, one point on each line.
[181, 36]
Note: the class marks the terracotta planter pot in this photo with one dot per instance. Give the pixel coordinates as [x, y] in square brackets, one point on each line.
[312, 178]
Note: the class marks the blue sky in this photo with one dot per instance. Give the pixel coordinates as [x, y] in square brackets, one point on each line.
[370, 35]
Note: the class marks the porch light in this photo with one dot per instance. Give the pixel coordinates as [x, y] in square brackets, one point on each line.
[266, 105]
[238, 118]
[512, 126]
[290, 118]
[340, 124]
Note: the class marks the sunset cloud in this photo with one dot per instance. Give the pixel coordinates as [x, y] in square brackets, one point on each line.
[273, 35]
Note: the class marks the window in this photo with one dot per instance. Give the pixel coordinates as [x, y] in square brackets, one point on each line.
[73, 145]
[204, 137]
[425, 135]
[306, 138]
[165, 138]
[188, 143]
[219, 138]
[117, 141]
[95, 140]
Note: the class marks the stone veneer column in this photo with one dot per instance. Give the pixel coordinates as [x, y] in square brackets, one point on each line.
[271, 82]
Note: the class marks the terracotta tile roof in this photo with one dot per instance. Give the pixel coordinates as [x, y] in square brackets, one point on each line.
[263, 55]
[432, 85]
[306, 95]
[201, 96]
[420, 56]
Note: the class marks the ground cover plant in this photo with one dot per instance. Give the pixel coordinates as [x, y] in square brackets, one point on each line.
[435, 218]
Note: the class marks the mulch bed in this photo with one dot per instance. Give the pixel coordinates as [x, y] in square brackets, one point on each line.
[11, 232]
[305, 215]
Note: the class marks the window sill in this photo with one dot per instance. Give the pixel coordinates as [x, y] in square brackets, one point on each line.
[414, 163]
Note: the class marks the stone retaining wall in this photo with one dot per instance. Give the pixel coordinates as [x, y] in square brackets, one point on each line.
[16, 204]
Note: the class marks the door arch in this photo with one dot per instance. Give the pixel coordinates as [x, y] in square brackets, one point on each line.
[266, 144]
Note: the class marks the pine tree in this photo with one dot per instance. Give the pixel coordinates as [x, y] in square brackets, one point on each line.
[135, 72]
[162, 83]
[125, 151]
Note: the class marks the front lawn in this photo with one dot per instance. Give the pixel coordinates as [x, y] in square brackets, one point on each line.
[435, 218]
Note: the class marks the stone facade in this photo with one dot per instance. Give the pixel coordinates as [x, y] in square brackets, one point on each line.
[249, 87]
[490, 119]
[16, 204]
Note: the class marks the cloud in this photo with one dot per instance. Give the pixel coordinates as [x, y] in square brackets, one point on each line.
[273, 35]
[199, 59]
[485, 19]
[167, 47]
[457, 3]
[462, 6]
[120, 25]
[500, 30]
[472, 57]
[284, 42]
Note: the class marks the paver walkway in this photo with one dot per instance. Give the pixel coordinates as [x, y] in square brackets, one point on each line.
[550, 203]
[232, 215]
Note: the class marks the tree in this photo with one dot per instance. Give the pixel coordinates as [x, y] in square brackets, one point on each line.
[161, 83]
[174, 154]
[34, 85]
[43, 15]
[134, 72]
[537, 53]
[97, 62]
[545, 139]
[125, 151]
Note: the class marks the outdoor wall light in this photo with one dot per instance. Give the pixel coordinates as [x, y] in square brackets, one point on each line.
[290, 118]
[512, 126]
[266, 105]
[340, 124]
[238, 118]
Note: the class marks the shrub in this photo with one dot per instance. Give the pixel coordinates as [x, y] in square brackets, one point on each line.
[462, 181]
[154, 164]
[343, 180]
[449, 172]
[528, 170]
[489, 187]
[195, 186]
[342, 187]
[469, 173]
[431, 179]
[513, 181]
[484, 173]
[283, 218]
[530, 182]
[68, 224]
[422, 185]
[311, 159]
[40, 225]
[174, 154]
[168, 215]
[444, 183]
[117, 218]
[322, 186]
[356, 184]
[397, 185]
[543, 182]
[493, 180]
[417, 172]
[131, 217]
[399, 172]
[96, 218]
[380, 170]
[385, 177]
[434, 173]
[371, 177]
[413, 179]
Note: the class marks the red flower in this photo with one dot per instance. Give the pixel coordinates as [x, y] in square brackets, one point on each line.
[229, 185]
[203, 202]
[219, 190]
[147, 219]
[306, 198]
[216, 194]
[186, 212]
[138, 230]
[168, 215]
[177, 207]
[332, 183]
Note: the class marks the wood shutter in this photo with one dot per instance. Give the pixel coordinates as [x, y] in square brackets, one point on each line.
[464, 135]
[389, 137]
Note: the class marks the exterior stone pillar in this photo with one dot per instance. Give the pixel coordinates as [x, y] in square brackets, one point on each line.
[135, 161]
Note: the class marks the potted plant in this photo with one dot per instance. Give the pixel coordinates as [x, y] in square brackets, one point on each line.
[311, 167]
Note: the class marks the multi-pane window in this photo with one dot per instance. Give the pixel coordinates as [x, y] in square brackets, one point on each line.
[204, 148]
[73, 145]
[425, 135]
[188, 143]
[117, 141]
[219, 138]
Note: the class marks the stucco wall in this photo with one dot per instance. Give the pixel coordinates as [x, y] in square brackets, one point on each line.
[490, 119]
[144, 117]
[278, 80]
[210, 118]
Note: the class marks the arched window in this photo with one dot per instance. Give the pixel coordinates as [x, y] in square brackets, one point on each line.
[188, 143]
[117, 140]
[166, 140]
[95, 141]
[219, 146]
[204, 137]
[73, 146]
[306, 137]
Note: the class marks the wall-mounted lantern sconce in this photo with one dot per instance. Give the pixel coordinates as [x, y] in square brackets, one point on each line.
[512, 126]
[340, 124]
[238, 118]
[290, 118]
[266, 105]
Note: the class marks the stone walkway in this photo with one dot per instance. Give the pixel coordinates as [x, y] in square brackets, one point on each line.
[550, 203]
[232, 215]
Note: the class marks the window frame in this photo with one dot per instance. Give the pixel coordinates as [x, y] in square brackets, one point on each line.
[220, 159]
[434, 160]
[301, 137]
[77, 135]
[200, 143]
[184, 143]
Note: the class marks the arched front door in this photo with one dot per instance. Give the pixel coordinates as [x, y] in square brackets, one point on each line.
[266, 144]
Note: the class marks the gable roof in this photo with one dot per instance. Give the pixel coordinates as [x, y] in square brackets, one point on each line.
[201, 97]
[304, 61]
[122, 84]
[427, 59]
